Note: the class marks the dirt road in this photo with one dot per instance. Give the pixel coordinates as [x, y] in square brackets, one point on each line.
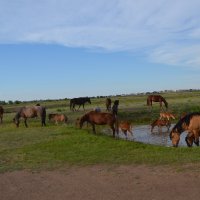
[102, 182]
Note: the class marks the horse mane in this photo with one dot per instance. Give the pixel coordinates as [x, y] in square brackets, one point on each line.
[186, 119]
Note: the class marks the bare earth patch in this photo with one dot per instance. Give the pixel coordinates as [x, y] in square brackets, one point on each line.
[102, 182]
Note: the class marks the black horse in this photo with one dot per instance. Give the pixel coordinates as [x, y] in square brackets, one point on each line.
[79, 101]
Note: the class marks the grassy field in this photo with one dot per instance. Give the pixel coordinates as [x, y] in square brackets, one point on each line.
[59, 145]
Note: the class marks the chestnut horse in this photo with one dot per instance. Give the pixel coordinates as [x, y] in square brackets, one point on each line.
[190, 123]
[159, 123]
[167, 115]
[125, 127]
[156, 98]
[99, 118]
[108, 104]
[1, 114]
[79, 101]
[30, 112]
[58, 118]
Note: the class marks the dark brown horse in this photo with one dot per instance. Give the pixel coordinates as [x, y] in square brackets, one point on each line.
[115, 107]
[156, 98]
[30, 112]
[99, 118]
[1, 114]
[79, 101]
[108, 104]
[190, 123]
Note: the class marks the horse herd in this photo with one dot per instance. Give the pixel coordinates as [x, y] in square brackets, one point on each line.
[189, 122]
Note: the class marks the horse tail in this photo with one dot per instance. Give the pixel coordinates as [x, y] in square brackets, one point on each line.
[71, 102]
[43, 116]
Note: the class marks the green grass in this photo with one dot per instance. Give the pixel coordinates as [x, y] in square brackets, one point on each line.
[59, 145]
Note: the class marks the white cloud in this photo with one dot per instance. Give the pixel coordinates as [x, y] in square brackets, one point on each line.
[167, 29]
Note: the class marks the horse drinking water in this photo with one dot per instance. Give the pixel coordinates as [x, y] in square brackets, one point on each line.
[79, 101]
[30, 112]
[190, 123]
[98, 118]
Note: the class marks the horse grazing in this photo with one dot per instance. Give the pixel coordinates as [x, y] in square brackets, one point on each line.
[167, 115]
[108, 104]
[79, 101]
[125, 127]
[30, 112]
[98, 118]
[159, 123]
[156, 98]
[190, 123]
[1, 114]
[58, 118]
[115, 107]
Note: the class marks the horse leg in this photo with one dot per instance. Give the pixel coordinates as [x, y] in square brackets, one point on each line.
[196, 137]
[93, 128]
[83, 107]
[25, 122]
[113, 129]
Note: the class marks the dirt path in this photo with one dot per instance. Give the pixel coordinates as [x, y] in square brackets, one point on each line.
[101, 182]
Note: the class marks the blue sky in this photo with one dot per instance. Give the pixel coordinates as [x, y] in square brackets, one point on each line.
[63, 48]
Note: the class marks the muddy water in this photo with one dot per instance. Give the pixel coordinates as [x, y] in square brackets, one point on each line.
[143, 134]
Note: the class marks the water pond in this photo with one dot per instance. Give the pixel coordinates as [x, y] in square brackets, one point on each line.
[143, 134]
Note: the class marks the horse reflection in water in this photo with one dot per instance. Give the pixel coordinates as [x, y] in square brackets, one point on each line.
[99, 118]
[30, 112]
[190, 123]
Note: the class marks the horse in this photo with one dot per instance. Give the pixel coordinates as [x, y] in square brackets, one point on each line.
[1, 114]
[156, 98]
[115, 107]
[190, 123]
[125, 127]
[167, 115]
[79, 101]
[108, 104]
[159, 123]
[30, 112]
[99, 118]
[58, 118]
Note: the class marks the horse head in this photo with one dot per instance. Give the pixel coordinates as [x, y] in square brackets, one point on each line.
[16, 121]
[174, 137]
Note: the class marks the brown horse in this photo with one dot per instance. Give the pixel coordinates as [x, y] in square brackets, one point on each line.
[58, 118]
[99, 118]
[159, 123]
[190, 123]
[108, 104]
[1, 114]
[156, 98]
[30, 112]
[125, 127]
